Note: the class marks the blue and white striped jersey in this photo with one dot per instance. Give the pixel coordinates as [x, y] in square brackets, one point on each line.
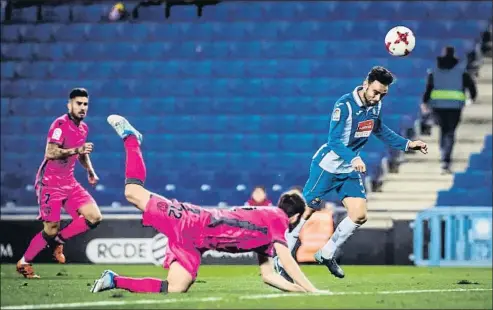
[351, 125]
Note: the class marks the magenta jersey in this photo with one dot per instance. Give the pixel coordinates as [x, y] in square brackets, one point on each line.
[233, 230]
[67, 134]
[246, 229]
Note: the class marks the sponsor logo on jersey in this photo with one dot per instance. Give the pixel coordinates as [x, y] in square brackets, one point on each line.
[364, 129]
[57, 134]
[336, 115]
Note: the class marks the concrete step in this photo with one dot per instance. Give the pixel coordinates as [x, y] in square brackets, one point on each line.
[405, 205]
[380, 217]
[419, 188]
[391, 201]
[428, 169]
[418, 177]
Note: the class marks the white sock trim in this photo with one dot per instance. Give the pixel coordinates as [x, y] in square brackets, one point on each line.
[343, 231]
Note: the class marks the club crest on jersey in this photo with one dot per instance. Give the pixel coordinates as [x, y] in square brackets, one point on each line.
[364, 129]
[336, 115]
[315, 202]
[57, 133]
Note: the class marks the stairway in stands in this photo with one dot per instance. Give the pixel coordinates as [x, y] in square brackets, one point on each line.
[416, 185]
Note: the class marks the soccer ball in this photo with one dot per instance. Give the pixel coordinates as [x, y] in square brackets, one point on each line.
[400, 41]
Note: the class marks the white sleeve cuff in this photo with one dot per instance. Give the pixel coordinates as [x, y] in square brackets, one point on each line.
[407, 145]
[355, 159]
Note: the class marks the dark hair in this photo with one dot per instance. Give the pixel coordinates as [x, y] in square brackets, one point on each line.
[78, 92]
[292, 203]
[259, 187]
[381, 74]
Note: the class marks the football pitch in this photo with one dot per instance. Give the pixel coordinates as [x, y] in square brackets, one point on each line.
[395, 287]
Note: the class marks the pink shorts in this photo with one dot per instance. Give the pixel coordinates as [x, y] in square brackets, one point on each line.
[180, 229]
[51, 199]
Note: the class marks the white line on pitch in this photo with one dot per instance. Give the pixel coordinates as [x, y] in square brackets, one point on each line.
[212, 299]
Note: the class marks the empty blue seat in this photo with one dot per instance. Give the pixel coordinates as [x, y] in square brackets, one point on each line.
[55, 14]
[106, 32]
[182, 13]
[25, 15]
[7, 70]
[152, 13]
[70, 33]
[10, 33]
[90, 13]
[53, 51]
[473, 179]
[298, 143]
[38, 70]
[477, 160]
[15, 88]
[478, 9]
[12, 51]
[36, 33]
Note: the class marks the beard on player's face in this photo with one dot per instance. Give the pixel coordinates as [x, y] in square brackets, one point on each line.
[77, 111]
[369, 100]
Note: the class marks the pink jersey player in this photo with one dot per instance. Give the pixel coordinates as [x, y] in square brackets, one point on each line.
[192, 230]
[56, 186]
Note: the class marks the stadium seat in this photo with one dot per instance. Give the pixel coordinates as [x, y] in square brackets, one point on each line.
[90, 13]
[55, 13]
[242, 95]
[25, 15]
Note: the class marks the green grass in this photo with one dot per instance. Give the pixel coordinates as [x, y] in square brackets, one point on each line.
[363, 287]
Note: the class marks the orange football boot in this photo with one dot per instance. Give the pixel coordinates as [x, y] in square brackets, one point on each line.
[26, 270]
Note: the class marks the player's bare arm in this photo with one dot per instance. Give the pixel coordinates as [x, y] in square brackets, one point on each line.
[293, 269]
[54, 151]
[85, 161]
[273, 279]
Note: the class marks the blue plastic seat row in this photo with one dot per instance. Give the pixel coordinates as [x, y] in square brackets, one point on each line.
[477, 161]
[473, 179]
[197, 87]
[236, 31]
[465, 197]
[235, 68]
[160, 51]
[330, 10]
[164, 124]
[217, 106]
[272, 11]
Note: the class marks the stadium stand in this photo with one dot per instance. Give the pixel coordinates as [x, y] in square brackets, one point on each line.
[241, 96]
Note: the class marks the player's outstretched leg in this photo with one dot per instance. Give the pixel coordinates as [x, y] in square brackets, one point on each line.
[135, 169]
[110, 280]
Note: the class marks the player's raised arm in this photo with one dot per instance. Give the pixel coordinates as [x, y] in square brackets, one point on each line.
[389, 137]
[292, 268]
[273, 279]
[339, 132]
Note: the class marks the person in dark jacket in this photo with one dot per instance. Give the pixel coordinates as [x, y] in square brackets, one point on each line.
[445, 97]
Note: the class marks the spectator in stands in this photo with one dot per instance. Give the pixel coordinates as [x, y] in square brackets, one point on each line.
[445, 97]
[118, 12]
[259, 197]
[486, 42]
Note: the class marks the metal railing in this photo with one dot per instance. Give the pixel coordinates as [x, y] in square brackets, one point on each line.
[453, 236]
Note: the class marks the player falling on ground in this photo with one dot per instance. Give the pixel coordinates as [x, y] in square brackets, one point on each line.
[336, 166]
[192, 230]
[56, 186]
